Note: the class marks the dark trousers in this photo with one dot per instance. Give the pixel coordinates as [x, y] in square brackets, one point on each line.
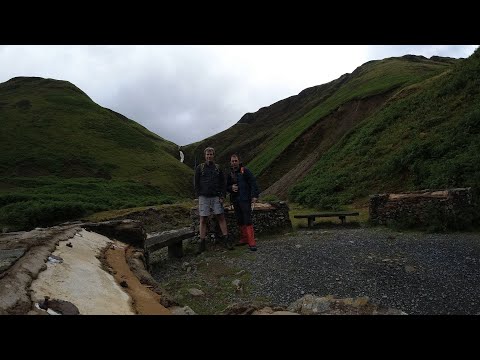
[243, 212]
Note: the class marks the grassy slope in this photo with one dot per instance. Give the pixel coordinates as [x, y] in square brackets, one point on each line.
[251, 135]
[426, 139]
[60, 130]
[58, 149]
[370, 79]
[263, 137]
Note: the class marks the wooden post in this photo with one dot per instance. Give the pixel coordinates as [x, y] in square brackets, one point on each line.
[175, 250]
[342, 219]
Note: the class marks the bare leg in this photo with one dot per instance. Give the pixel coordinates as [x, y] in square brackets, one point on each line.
[227, 240]
[222, 223]
[203, 226]
[203, 232]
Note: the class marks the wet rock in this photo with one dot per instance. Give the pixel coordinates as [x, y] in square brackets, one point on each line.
[283, 312]
[53, 259]
[251, 308]
[9, 257]
[267, 310]
[63, 307]
[237, 283]
[328, 305]
[58, 306]
[186, 310]
[128, 231]
[195, 292]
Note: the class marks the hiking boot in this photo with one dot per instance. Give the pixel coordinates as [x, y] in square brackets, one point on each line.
[200, 246]
[252, 248]
[228, 242]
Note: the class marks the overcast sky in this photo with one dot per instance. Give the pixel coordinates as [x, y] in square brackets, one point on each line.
[188, 93]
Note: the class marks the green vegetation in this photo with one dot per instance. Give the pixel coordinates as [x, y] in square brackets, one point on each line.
[251, 135]
[63, 156]
[178, 208]
[428, 139]
[46, 201]
[214, 276]
[155, 218]
[370, 79]
[276, 138]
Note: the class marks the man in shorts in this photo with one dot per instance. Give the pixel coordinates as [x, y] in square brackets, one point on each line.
[210, 188]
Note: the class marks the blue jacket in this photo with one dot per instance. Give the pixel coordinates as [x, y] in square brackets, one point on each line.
[247, 185]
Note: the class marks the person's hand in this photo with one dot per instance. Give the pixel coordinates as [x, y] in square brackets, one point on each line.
[234, 187]
[254, 200]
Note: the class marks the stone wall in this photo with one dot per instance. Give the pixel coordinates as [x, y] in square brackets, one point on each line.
[128, 231]
[437, 209]
[267, 218]
[158, 219]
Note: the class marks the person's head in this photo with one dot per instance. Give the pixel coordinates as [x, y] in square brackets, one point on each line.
[209, 154]
[234, 161]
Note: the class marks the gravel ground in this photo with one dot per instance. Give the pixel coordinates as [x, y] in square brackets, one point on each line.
[414, 272]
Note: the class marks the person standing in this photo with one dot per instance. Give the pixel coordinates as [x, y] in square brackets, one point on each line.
[243, 189]
[209, 182]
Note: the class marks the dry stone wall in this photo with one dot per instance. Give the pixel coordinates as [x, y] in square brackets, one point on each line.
[438, 209]
[267, 218]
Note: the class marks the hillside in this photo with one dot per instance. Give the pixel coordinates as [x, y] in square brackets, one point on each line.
[61, 151]
[249, 136]
[427, 135]
[281, 143]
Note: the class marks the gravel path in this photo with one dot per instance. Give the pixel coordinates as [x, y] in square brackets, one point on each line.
[414, 272]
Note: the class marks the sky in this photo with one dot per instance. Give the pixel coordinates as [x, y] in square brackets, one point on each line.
[186, 93]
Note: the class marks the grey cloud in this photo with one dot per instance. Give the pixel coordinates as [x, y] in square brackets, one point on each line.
[184, 105]
[188, 93]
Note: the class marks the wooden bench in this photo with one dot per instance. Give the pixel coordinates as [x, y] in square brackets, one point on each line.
[311, 217]
[173, 239]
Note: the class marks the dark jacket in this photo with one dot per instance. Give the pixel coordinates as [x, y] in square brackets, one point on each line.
[210, 182]
[247, 185]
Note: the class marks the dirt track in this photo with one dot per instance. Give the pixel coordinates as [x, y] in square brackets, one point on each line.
[144, 300]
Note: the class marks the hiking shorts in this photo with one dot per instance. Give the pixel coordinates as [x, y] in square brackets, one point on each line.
[208, 204]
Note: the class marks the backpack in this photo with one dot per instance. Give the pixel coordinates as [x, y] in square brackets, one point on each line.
[242, 171]
[202, 167]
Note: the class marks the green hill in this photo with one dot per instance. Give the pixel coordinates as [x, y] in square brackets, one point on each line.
[63, 156]
[393, 125]
[425, 136]
[283, 142]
